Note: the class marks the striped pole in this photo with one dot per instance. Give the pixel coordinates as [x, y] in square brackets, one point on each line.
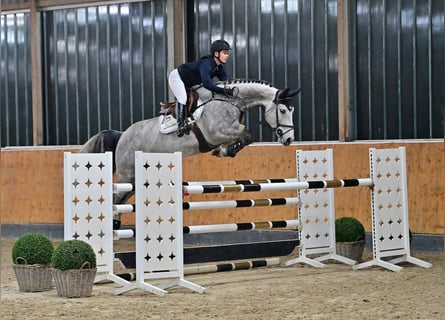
[201, 205]
[221, 267]
[230, 227]
[242, 265]
[245, 182]
[275, 186]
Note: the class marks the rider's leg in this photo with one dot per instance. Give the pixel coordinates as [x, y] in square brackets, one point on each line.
[178, 88]
[183, 127]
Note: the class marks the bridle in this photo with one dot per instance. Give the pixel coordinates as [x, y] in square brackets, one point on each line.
[281, 129]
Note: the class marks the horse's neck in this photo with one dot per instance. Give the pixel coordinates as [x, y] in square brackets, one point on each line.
[254, 94]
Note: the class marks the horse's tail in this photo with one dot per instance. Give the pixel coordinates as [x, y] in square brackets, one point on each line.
[103, 141]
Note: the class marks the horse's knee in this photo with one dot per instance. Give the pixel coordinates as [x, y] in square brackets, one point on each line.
[229, 149]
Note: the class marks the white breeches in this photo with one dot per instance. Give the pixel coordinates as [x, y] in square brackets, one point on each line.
[177, 86]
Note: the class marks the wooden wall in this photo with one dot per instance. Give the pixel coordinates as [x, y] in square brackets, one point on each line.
[32, 183]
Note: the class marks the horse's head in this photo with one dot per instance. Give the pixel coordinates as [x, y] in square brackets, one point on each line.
[280, 115]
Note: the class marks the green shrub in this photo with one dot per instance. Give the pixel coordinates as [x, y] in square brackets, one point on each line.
[72, 254]
[348, 229]
[34, 248]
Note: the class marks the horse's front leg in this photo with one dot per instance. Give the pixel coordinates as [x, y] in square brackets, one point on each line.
[231, 148]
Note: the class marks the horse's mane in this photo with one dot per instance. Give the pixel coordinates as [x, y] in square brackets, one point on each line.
[238, 81]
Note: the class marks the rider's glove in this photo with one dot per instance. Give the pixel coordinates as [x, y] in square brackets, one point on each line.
[229, 91]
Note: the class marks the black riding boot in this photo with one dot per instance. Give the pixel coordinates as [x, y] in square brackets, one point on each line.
[180, 116]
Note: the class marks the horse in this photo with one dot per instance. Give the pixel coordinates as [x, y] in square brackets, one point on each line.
[217, 126]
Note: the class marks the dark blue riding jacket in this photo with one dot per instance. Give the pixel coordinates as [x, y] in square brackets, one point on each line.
[201, 72]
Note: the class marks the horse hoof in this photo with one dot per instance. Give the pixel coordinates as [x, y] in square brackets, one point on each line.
[217, 153]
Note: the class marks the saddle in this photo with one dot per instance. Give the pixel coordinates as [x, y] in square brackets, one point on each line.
[192, 103]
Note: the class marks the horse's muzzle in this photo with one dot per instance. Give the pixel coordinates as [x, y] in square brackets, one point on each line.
[287, 142]
[282, 135]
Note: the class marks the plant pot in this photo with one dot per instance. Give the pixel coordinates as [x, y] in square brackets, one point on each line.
[75, 283]
[33, 277]
[351, 250]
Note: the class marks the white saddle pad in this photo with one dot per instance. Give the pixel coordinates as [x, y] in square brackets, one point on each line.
[168, 124]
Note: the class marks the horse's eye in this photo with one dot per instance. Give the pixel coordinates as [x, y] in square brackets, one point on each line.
[282, 110]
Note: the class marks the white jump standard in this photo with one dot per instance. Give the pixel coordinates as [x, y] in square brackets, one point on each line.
[389, 207]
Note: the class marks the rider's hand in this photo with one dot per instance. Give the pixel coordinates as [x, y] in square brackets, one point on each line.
[229, 91]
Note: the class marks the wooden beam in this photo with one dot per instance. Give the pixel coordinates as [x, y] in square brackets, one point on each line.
[46, 4]
[13, 7]
[343, 71]
[175, 36]
[178, 32]
[36, 74]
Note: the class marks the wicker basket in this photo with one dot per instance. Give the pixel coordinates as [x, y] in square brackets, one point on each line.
[75, 283]
[351, 250]
[33, 277]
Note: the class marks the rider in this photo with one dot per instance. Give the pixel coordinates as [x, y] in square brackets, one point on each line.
[199, 72]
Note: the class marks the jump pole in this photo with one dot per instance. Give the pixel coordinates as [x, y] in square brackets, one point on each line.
[230, 227]
[231, 266]
[214, 228]
[278, 186]
[219, 267]
[205, 205]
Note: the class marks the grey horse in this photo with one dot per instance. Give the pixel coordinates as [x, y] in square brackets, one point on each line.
[217, 127]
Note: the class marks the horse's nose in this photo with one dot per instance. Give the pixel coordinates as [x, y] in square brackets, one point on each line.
[288, 141]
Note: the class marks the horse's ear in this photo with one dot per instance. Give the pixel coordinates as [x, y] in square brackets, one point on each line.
[282, 94]
[286, 94]
[294, 92]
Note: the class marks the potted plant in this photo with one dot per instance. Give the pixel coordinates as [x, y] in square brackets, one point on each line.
[74, 268]
[350, 238]
[31, 256]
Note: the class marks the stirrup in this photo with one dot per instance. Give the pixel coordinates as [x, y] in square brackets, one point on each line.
[183, 130]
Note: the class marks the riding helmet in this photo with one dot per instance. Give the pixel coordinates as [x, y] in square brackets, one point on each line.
[219, 45]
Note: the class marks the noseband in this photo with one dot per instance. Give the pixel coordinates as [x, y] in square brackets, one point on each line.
[279, 127]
